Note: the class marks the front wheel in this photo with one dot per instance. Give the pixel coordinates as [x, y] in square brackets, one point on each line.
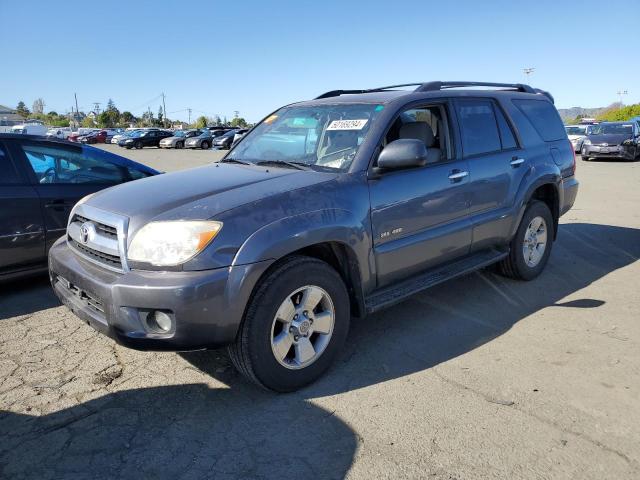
[294, 326]
[138, 145]
[531, 245]
[180, 145]
[205, 145]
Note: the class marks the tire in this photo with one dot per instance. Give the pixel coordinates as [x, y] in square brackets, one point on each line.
[515, 265]
[138, 145]
[204, 145]
[253, 352]
[179, 144]
[584, 155]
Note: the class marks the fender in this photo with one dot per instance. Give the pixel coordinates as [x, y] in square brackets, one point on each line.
[549, 175]
[287, 235]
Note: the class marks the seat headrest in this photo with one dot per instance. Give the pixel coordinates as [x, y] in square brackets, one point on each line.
[419, 131]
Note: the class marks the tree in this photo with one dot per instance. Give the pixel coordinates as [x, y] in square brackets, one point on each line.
[127, 118]
[160, 116]
[201, 122]
[38, 105]
[239, 122]
[88, 122]
[111, 106]
[22, 109]
[620, 114]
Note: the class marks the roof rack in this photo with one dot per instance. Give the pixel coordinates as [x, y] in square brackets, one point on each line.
[438, 85]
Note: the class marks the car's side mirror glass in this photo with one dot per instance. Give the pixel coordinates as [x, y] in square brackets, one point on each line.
[403, 153]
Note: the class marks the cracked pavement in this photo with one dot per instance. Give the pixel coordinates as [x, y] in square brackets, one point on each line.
[481, 377]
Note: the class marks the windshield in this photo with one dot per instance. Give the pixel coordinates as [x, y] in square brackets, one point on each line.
[319, 136]
[612, 128]
[137, 134]
[576, 130]
[179, 133]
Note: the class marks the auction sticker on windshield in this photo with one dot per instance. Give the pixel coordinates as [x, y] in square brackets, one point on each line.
[347, 124]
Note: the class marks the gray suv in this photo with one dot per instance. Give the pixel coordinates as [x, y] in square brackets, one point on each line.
[327, 209]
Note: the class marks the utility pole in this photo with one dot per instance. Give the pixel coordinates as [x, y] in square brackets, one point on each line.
[96, 108]
[77, 117]
[164, 111]
[620, 93]
[236, 114]
[150, 116]
[189, 110]
[528, 71]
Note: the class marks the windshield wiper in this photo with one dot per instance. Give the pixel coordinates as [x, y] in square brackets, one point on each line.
[234, 160]
[296, 165]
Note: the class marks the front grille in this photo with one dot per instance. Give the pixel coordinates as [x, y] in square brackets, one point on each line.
[106, 229]
[111, 260]
[88, 299]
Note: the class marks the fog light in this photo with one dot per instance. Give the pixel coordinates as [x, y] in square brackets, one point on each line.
[160, 321]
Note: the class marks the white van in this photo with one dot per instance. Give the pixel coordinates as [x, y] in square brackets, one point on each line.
[29, 129]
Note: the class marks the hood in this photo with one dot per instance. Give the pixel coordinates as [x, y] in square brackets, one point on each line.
[576, 137]
[610, 138]
[200, 193]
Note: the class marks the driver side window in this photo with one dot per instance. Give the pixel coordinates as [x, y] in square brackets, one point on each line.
[59, 165]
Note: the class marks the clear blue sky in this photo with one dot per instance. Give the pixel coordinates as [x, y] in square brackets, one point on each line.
[253, 56]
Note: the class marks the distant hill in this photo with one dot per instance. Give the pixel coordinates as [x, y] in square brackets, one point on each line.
[573, 112]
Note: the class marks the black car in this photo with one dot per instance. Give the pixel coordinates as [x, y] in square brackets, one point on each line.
[225, 140]
[145, 138]
[612, 140]
[40, 181]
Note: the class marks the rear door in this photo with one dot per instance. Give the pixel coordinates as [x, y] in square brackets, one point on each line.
[22, 233]
[62, 174]
[497, 167]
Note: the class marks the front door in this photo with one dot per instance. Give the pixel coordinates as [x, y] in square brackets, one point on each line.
[420, 216]
[21, 225]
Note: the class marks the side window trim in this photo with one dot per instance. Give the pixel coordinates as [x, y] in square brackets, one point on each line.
[499, 110]
[9, 163]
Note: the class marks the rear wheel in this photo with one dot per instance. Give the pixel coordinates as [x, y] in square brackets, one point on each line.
[205, 145]
[294, 327]
[531, 245]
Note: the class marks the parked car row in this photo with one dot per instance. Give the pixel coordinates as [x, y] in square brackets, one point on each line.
[606, 140]
[203, 138]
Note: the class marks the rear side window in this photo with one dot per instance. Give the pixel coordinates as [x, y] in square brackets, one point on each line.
[479, 127]
[506, 134]
[544, 118]
[8, 174]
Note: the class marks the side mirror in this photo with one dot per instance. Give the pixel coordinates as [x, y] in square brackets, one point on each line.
[403, 153]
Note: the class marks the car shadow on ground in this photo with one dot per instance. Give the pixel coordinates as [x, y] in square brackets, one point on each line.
[187, 431]
[26, 296]
[458, 316]
[193, 431]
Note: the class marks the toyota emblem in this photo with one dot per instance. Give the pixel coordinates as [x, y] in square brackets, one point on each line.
[87, 232]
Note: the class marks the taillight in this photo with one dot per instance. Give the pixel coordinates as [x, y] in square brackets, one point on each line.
[573, 151]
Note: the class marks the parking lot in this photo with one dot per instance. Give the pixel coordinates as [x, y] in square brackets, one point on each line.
[481, 377]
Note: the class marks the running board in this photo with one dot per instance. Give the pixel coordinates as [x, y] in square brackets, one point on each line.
[390, 295]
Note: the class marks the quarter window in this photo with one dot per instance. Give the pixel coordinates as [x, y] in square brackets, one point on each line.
[544, 118]
[479, 127]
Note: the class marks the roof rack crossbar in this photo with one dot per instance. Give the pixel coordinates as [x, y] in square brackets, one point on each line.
[434, 86]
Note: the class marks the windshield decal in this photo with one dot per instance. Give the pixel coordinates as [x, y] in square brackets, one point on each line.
[347, 124]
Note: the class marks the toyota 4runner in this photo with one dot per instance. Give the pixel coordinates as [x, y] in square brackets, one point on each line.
[327, 209]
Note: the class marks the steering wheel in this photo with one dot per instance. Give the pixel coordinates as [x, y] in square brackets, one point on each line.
[49, 175]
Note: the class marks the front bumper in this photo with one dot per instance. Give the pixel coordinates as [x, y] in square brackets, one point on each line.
[577, 144]
[615, 151]
[206, 306]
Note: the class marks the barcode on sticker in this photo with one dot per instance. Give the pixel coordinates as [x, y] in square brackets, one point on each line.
[347, 124]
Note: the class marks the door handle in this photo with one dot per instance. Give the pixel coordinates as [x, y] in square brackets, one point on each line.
[516, 161]
[457, 175]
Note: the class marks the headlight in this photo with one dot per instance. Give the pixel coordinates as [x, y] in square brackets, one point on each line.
[171, 243]
[586, 142]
